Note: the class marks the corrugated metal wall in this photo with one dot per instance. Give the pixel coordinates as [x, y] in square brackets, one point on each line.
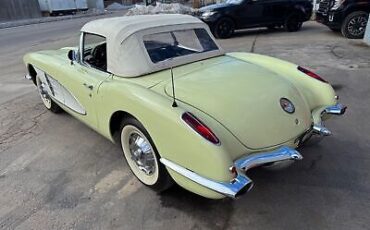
[97, 4]
[19, 9]
[367, 34]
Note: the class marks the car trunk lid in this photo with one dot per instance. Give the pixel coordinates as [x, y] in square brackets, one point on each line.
[244, 98]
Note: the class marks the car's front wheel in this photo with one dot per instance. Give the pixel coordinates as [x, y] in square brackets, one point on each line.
[46, 100]
[354, 25]
[142, 157]
[293, 23]
[223, 28]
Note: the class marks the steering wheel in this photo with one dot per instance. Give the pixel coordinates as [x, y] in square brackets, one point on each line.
[99, 54]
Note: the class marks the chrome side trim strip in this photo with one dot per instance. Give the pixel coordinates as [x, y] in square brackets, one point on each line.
[232, 189]
[280, 154]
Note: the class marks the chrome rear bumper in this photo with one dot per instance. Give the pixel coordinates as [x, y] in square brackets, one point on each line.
[318, 127]
[337, 109]
[241, 183]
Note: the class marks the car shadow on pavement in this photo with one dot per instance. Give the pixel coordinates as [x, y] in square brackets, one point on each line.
[199, 208]
[319, 177]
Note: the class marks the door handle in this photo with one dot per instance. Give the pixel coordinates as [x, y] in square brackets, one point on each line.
[90, 87]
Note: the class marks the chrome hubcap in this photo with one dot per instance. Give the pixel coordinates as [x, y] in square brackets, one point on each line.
[142, 153]
[43, 93]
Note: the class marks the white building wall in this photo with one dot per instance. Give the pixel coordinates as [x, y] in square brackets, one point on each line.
[367, 34]
[61, 5]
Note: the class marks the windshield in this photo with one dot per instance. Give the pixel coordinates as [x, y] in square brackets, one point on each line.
[173, 44]
[232, 1]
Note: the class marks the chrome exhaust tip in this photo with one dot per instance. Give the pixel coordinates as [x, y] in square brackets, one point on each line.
[321, 130]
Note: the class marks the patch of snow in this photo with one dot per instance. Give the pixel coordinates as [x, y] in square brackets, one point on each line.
[161, 8]
[117, 6]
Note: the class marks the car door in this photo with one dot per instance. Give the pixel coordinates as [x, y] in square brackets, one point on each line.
[84, 77]
[279, 10]
[254, 12]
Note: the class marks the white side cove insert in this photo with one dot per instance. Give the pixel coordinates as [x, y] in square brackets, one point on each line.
[59, 93]
[367, 33]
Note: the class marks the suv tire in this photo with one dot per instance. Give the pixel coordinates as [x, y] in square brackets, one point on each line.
[354, 25]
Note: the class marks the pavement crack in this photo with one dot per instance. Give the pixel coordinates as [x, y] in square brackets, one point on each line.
[332, 51]
[17, 127]
[254, 44]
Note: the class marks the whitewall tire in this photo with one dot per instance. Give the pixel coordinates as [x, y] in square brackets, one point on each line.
[142, 156]
[45, 98]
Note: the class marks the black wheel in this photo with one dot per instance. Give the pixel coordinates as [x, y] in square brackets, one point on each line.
[354, 25]
[293, 23]
[223, 28]
[142, 157]
[46, 100]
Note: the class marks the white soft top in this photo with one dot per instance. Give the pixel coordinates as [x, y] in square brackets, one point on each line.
[126, 53]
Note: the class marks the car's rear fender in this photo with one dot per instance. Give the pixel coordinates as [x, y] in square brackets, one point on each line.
[174, 139]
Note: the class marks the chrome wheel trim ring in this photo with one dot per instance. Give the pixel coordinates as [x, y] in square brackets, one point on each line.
[139, 154]
[41, 87]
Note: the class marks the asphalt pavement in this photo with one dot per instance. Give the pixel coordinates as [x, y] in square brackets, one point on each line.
[56, 173]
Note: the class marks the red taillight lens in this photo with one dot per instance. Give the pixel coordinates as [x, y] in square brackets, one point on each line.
[200, 128]
[311, 74]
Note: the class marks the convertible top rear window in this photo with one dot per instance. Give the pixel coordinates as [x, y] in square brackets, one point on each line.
[173, 44]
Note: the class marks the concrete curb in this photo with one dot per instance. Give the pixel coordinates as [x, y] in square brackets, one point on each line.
[17, 23]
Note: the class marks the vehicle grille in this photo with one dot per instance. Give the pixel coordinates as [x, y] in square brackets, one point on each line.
[325, 6]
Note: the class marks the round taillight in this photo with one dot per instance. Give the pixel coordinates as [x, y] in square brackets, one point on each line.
[311, 74]
[200, 128]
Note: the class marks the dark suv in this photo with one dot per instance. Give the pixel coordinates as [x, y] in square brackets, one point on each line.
[223, 18]
[347, 16]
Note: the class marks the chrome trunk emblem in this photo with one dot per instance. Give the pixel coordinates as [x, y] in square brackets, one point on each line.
[287, 105]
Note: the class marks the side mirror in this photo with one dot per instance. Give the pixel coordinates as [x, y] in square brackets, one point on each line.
[72, 56]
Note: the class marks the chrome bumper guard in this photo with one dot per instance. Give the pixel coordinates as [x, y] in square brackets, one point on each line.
[241, 183]
[337, 109]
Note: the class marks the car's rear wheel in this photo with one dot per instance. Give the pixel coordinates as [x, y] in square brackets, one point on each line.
[223, 28]
[142, 157]
[293, 23]
[354, 25]
[46, 99]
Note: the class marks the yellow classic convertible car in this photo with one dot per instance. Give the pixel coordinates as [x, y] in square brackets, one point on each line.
[183, 110]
